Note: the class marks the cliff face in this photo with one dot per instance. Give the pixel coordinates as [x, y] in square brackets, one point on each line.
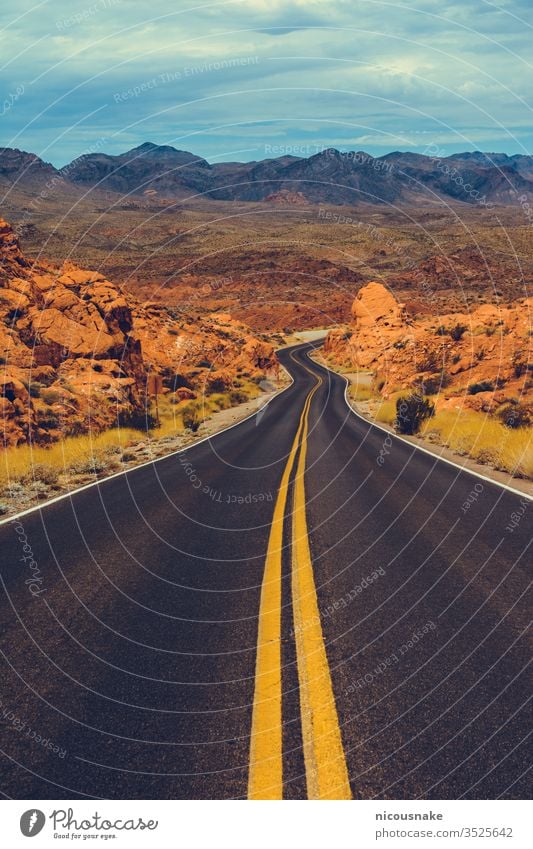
[75, 353]
[480, 359]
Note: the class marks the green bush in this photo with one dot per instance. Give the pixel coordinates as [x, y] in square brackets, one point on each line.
[411, 412]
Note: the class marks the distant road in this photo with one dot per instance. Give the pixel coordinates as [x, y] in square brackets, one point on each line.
[300, 607]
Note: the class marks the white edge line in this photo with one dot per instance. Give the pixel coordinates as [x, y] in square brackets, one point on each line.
[100, 481]
[433, 454]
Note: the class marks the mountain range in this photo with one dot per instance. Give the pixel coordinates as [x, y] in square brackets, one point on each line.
[329, 177]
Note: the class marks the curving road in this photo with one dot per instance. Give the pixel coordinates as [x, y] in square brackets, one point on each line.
[299, 607]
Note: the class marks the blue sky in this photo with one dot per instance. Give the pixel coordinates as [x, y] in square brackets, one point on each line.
[247, 79]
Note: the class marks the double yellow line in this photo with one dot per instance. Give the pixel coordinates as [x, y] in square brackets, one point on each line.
[325, 764]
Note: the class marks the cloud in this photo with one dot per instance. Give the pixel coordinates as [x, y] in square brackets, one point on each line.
[231, 73]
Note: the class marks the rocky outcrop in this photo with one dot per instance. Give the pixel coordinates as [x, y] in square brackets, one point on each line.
[482, 359]
[284, 197]
[75, 352]
[10, 252]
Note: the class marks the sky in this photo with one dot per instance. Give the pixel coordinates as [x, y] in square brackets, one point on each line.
[250, 79]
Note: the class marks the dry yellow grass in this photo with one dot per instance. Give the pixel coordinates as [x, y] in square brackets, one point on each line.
[476, 435]
[359, 392]
[101, 452]
[386, 412]
[76, 453]
[484, 439]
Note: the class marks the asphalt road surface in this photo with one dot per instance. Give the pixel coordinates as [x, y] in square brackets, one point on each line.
[300, 607]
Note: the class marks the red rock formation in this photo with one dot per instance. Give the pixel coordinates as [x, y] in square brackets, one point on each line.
[488, 350]
[75, 352]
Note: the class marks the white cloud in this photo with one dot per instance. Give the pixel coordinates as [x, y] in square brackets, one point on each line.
[373, 71]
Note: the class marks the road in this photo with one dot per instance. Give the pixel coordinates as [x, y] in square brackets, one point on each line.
[299, 607]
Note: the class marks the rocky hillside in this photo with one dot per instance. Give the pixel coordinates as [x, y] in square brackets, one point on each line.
[76, 353]
[481, 360]
[330, 176]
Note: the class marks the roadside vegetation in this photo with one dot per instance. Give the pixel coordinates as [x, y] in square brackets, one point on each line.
[30, 473]
[483, 438]
[480, 436]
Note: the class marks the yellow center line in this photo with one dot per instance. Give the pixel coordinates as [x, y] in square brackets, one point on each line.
[265, 780]
[325, 763]
[326, 772]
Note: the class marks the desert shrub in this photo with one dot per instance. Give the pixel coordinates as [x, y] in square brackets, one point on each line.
[43, 472]
[520, 364]
[238, 396]
[429, 361]
[515, 416]
[219, 401]
[190, 417]
[75, 428]
[204, 364]
[48, 419]
[432, 385]
[482, 386]
[35, 388]
[457, 332]
[70, 455]
[138, 420]
[51, 396]
[216, 385]
[174, 380]
[411, 412]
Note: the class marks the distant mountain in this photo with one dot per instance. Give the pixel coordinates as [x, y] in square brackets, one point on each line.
[17, 165]
[147, 168]
[329, 177]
